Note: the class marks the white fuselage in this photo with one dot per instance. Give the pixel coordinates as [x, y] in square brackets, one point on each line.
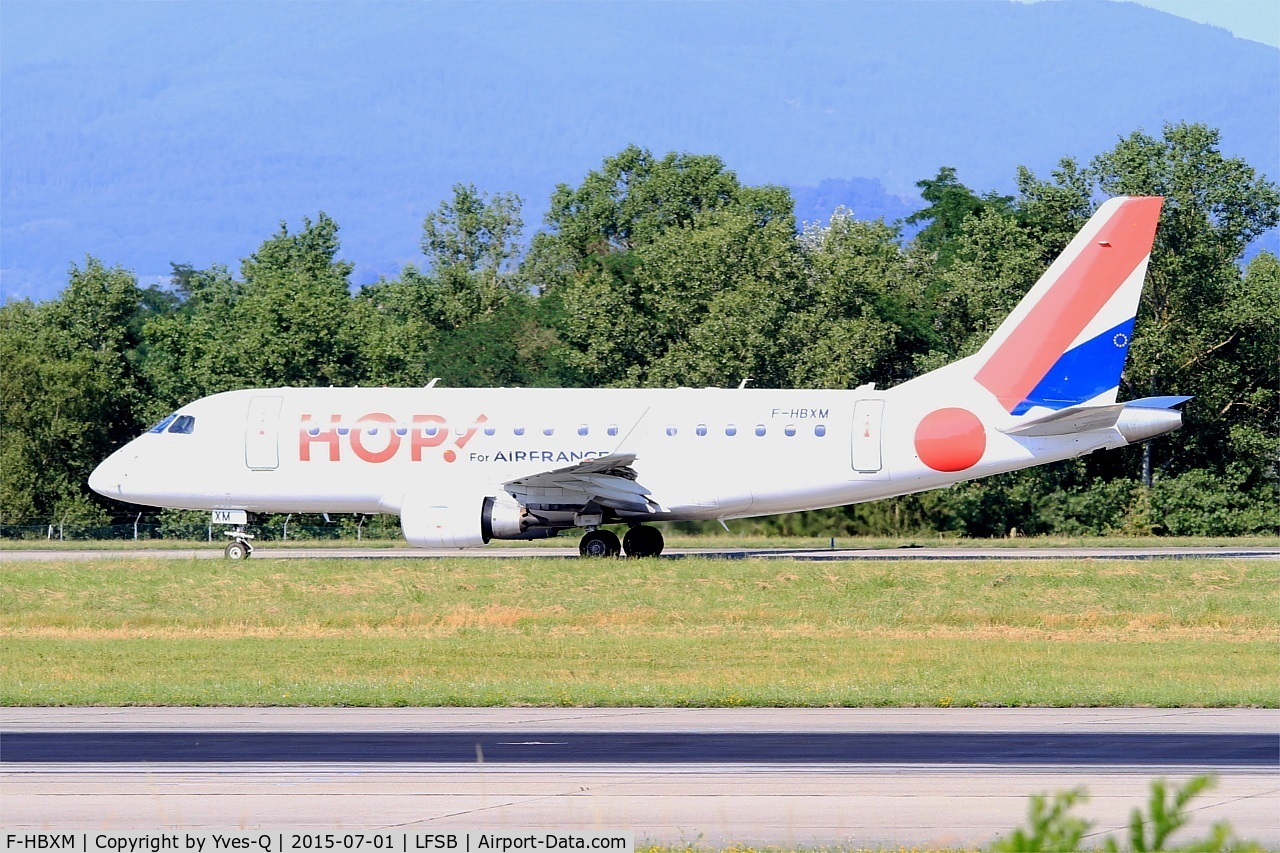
[700, 453]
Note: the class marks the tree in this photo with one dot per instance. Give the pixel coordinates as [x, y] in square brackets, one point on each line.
[950, 204]
[470, 243]
[862, 317]
[1051, 212]
[649, 266]
[634, 197]
[473, 232]
[1202, 328]
[286, 322]
[69, 392]
[185, 351]
[719, 295]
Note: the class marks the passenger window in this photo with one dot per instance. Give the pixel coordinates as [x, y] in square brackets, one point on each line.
[820, 430]
[549, 431]
[789, 429]
[759, 429]
[701, 429]
[582, 430]
[671, 430]
[160, 427]
[613, 429]
[518, 430]
[489, 430]
[184, 425]
[402, 430]
[731, 430]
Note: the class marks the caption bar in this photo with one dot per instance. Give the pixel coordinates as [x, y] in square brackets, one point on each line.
[240, 841]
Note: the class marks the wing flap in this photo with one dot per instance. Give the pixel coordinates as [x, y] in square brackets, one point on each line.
[608, 481]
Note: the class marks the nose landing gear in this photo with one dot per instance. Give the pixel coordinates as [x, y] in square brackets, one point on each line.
[238, 548]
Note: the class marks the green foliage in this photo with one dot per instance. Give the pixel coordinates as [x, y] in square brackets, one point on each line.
[191, 525]
[859, 317]
[634, 197]
[951, 204]
[286, 322]
[1052, 827]
[472, 233]
[1227, 501]
[1203, 328]
[668, 271]
[68, 391]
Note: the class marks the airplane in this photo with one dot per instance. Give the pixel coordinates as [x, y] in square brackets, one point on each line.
[464, 466]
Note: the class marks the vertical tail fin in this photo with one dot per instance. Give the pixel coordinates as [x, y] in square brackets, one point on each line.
[1065, 343]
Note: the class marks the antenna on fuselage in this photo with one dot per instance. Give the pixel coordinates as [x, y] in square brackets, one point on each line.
[743, 383]
[433, 382]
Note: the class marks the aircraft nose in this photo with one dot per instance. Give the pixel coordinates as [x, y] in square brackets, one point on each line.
[107, 478]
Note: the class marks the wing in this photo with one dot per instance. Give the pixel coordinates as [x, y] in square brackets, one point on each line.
[607, 481]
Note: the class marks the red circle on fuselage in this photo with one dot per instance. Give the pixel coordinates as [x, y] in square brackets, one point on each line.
[950, 439]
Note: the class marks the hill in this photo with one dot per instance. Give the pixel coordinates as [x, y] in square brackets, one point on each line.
[150, 133]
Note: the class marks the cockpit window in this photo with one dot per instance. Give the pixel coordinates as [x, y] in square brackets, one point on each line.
[184, 425]
[159, 427]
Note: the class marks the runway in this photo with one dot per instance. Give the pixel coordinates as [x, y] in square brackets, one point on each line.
[268, 552]
[855, 777]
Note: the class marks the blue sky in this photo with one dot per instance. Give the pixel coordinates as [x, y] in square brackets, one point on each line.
[1256, 20]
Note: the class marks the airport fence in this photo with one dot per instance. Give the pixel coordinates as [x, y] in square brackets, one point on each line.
[178, 525]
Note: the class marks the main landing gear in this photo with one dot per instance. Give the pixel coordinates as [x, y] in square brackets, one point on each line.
[640, 541]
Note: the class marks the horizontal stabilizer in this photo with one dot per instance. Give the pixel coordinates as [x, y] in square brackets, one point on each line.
[1070, 421]
[1157, 402]
[1137, 419]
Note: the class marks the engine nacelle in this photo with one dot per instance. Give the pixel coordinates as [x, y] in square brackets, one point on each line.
[502, 518]
[443, 521]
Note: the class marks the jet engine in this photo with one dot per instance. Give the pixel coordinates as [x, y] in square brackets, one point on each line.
[442, 521]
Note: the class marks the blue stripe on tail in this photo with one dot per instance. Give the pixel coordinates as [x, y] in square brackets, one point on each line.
[1082, 373]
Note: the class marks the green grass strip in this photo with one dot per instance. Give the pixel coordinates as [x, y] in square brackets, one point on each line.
[692, 632]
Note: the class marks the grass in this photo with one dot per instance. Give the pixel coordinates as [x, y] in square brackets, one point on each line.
[641, 632]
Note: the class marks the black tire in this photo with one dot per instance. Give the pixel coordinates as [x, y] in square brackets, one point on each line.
[237, 550]
[643, 541]
[599, 543]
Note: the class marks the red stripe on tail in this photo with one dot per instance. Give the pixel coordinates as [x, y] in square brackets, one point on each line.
[1079, 293]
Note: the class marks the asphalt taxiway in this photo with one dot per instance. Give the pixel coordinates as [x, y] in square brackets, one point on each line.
[855, 777]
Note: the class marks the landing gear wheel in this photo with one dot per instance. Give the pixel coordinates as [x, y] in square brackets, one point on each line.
[599, 543]
[642, 541]
[237, 550]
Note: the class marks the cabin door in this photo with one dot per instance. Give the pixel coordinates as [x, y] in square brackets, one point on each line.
[867, 416]
[261, 446]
